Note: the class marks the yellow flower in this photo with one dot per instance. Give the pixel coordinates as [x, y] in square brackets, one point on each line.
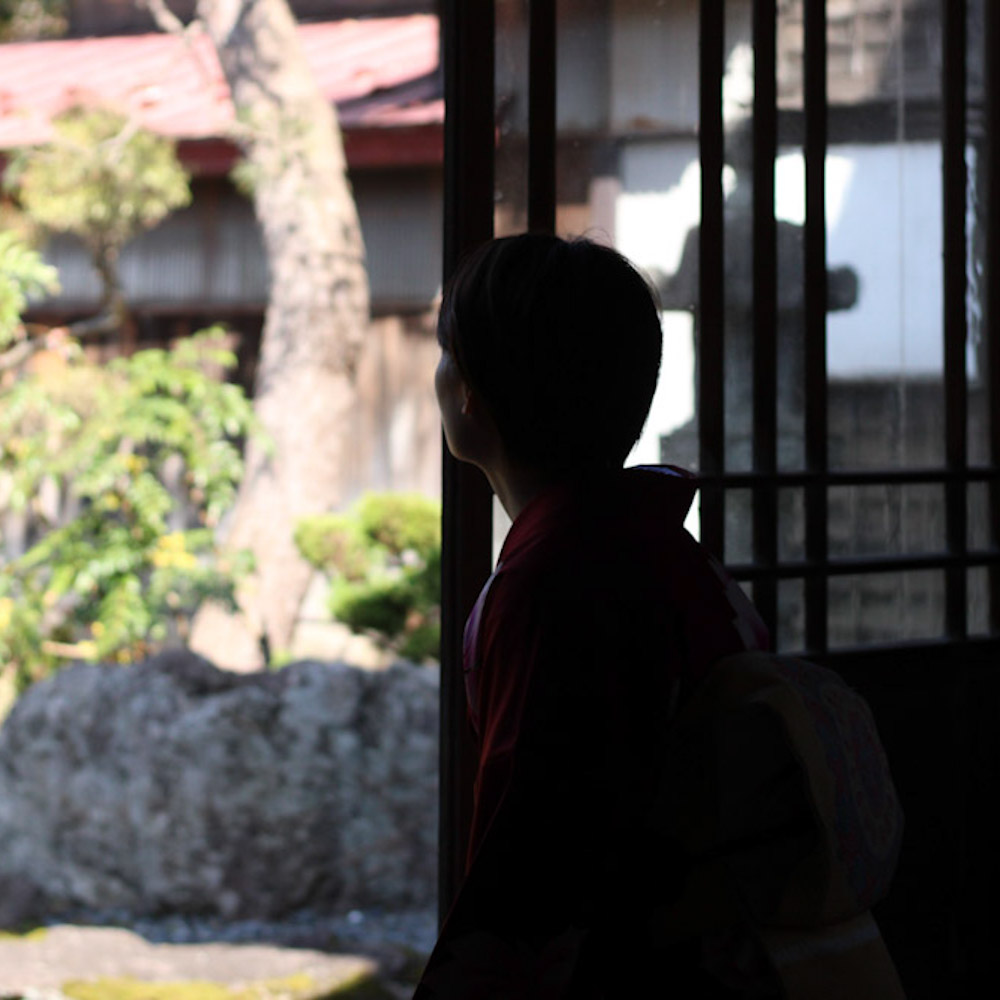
[170, 551]
[6, 612]
[172, 542]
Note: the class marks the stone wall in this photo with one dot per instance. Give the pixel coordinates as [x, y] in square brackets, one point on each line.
[173, 786]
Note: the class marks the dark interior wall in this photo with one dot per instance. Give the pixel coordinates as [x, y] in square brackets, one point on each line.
[936, 712]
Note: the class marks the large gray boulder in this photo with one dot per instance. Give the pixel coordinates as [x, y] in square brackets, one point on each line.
[175, 786]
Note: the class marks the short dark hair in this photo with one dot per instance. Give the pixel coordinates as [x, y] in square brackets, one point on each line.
[562, 341]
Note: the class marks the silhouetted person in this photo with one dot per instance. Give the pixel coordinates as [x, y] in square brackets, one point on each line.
[602, 617]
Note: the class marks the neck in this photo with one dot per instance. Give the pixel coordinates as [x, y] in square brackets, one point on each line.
[516, 491]
[517, 486]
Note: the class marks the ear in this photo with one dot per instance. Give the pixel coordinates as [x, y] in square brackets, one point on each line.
[476, 414]
[470, 402]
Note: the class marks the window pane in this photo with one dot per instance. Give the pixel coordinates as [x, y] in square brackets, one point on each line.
[627, 173]
[976, 220]
[978, 601]
[790, 211]
[885, 607]
[739, 526]
[979, 518]
[510, 162]
[791, 616]
[886, 520]
[791, 525]
[884, 349]
[737, 111]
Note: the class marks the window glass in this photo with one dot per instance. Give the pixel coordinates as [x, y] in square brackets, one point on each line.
[791, 616]
[978, 428]
[885, 607]
[510, 163]
[886, 520]
[628, 174]
[885, 348]
[978, 601]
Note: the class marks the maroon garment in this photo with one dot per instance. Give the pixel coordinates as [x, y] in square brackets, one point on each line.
[602, 613]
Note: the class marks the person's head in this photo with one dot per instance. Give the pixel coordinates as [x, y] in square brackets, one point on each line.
[559, 341]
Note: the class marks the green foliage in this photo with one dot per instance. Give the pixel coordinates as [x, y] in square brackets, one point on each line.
[333, 542]
[363, 985]
[380, 604]
[100, 178]
[299, 986]
[23, 20]
[401, 521]
[28, 933]
[23, 276]
[422, 642]
[384, 557]
[143, 455]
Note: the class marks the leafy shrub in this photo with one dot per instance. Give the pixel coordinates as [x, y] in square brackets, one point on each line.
[99, 178]
[422, 642]
[23, 276]
[333, 542]
[381, 605]
[401, 522]
[142, 455]
[384, 558]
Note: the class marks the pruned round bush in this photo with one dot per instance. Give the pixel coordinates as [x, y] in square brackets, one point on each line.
[379, 605]
[401, 522]
[333, 542]
[384, 560]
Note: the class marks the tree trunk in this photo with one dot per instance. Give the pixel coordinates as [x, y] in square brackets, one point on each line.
[316, 319]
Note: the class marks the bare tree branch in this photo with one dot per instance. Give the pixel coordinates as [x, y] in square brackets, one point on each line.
[95, 326]
[16, 356]
[169, 23]
[166, 20]
[23, 350]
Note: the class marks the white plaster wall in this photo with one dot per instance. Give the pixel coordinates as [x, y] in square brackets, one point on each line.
[659, 203]
[883, 219]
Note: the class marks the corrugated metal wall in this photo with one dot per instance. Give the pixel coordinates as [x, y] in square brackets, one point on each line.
[211, 255]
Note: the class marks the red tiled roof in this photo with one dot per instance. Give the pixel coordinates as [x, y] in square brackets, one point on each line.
[380, 72]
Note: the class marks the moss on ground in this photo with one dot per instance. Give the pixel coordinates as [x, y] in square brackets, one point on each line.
[364, 986]
[298, 987]
[28, 934]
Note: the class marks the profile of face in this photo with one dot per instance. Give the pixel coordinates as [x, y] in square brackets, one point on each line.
[452, 393]
[469, 431]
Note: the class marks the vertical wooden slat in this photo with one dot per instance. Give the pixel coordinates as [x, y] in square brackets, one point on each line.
[765, 306]
[542, 116]
[468, 47]
[710, 312]
[954, 185]
[991, 282]
[955, 330]
[815, 104]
